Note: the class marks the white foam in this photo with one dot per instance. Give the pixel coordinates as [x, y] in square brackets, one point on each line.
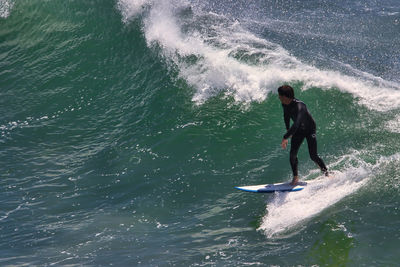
[288, 210]
[394, 125]
[132, 8]
[5, 8]
[217, 55]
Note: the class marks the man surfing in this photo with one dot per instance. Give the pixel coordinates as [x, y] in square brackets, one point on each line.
[303, 127]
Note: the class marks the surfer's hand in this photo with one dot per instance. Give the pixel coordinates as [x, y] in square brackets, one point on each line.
[284, 143]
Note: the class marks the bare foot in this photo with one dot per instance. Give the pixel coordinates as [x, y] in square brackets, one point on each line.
[295, 181]
[329, 174]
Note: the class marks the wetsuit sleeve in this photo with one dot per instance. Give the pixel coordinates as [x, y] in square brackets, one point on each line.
[301, 113]
[286, 118]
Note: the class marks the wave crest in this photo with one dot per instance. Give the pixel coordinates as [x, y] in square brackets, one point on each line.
[215, 54]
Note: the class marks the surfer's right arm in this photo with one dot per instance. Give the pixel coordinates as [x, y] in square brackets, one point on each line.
[301, 111]
[286, 119]
[284, 143]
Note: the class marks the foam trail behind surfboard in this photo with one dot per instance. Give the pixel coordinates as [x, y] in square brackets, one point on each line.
[286, 211]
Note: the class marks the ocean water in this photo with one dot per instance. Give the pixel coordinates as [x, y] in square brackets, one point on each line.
[125, 126]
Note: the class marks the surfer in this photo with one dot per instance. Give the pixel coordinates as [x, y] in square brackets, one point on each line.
[303, 127]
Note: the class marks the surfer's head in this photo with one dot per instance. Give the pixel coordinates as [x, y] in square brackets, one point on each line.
[286, 94]
[286, 90]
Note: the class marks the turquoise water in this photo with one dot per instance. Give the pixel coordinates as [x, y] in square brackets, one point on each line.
[125, 126]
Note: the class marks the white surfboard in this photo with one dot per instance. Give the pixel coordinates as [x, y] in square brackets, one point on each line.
[270, 188]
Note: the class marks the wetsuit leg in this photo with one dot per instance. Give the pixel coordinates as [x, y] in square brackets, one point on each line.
[297, 139]
[312, 149]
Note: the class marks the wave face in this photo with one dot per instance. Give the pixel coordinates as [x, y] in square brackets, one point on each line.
[216, 52]
[125, 126]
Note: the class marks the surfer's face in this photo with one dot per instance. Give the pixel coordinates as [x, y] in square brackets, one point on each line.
[285, 100]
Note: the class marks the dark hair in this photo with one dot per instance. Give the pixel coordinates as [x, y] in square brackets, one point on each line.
[286, 90]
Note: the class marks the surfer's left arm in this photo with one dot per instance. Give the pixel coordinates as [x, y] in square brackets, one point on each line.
[286, 119]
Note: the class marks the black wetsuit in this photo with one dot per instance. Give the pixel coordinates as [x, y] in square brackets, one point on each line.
[303, 127]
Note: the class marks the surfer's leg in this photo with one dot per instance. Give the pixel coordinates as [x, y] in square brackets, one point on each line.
[312, 149]
[296, 141]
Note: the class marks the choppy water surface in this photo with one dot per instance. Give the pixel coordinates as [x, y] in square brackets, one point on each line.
[125, 126]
